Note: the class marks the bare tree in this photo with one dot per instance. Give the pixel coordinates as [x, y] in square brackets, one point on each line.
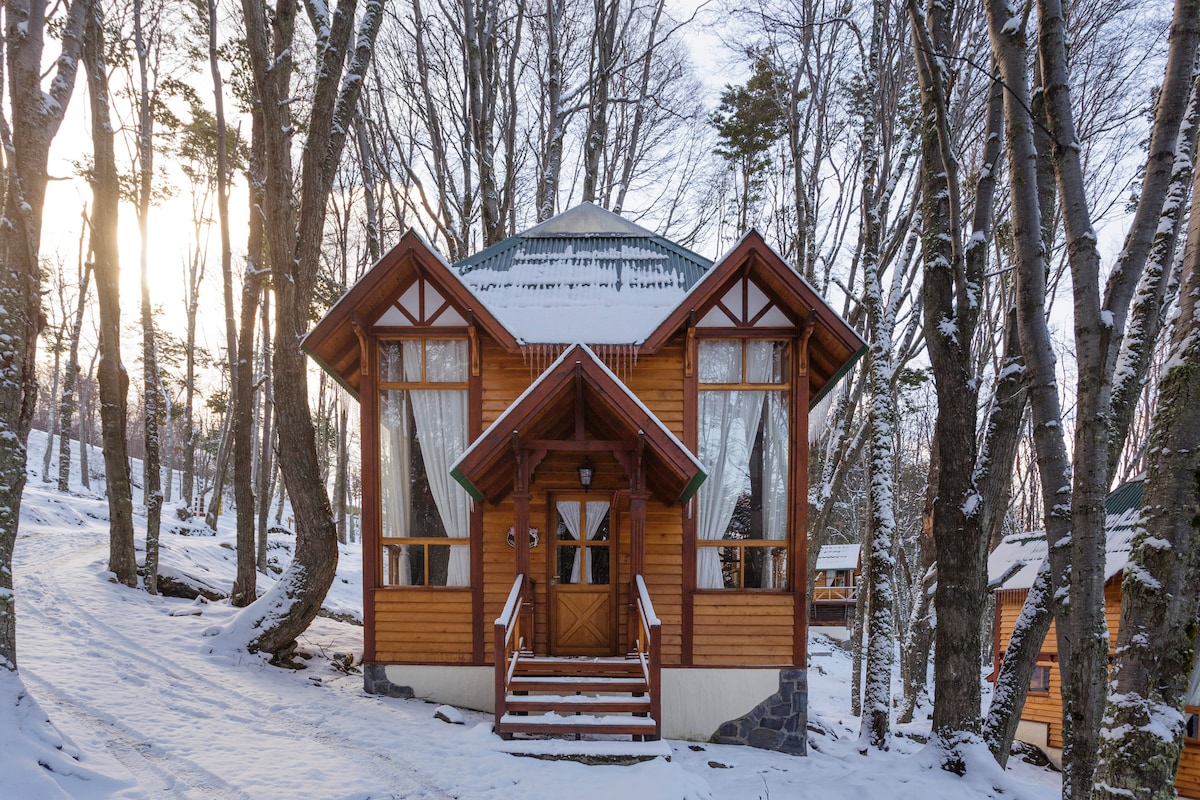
[114, 380]
[71, 380]
[294, 234]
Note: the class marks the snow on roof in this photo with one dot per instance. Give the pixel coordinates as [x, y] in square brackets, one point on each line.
[1028, 548]
[590, 275]
[838, 556]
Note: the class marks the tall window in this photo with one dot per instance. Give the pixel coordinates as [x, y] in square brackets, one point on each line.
[426, 515]
[741, 525]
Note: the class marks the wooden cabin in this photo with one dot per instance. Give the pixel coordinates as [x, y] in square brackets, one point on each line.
[835, 588]
[585, 477]
[1021, 555]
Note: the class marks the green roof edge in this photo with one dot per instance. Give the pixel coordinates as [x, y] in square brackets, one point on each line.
[837, 377]
[466, 484]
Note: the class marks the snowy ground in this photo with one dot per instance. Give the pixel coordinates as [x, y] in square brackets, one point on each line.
[148, 707]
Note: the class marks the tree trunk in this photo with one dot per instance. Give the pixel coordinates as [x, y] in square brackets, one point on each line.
[284, 612]
[1144, 722]
[267, 466]
[114, 381]
[951, 313]
[72, 381]
[50, 427]
[151, 399]
[341, 474]
[36, 116]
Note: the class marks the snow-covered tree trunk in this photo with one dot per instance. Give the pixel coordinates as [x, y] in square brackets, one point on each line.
[114, 380]
[1009, 48]
[1098, 325]
[881, 419]
[295, 225]
[952, 294]
[1143, 724]
[861, 609]
[36, 116]
[152, 400]
[267, 466]
[50, 426]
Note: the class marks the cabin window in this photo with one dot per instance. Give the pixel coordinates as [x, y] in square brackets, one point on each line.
[1040, 680]
[426, 515]
[742, 441]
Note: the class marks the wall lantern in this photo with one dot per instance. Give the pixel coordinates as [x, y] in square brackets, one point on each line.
[585, 474]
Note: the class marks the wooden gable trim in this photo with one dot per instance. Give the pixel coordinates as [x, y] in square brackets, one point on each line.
[552, 404]
[753, 259]
[334, 344]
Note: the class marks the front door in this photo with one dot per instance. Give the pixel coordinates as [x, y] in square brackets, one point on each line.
[583, 600]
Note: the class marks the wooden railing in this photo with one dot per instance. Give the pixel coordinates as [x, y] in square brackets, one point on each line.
[647, 647]
[833, 593]
[509, 643]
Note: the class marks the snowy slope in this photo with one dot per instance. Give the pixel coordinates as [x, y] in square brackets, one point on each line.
[151, 708]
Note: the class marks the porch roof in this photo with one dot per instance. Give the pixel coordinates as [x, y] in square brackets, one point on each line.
[578, 386]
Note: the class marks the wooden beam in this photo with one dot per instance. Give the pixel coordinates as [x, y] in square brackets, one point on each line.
[575, 446]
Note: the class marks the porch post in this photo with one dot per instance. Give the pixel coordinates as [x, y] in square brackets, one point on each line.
[521, 498]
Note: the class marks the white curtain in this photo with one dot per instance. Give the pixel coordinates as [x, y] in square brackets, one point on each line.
[395, 450]
[775, 480]
[441, 417]
[568, 512]
[728, 425]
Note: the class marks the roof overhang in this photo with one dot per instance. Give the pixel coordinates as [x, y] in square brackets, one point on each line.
[833, 346]
[337, 342]
[579, 389]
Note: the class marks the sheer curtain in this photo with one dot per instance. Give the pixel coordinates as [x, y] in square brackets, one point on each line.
[441, 417]
[396, 480]
[775, 478]
[568, 512]
[728, 424]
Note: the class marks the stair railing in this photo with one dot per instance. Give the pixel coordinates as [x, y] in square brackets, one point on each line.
[648, 649]
[509, 644]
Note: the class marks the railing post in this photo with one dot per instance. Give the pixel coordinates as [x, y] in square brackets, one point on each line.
[501, 650]
[656, 678]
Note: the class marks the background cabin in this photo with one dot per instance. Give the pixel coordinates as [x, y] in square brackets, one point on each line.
[584, 456]
[1020, 555]
[835, 589]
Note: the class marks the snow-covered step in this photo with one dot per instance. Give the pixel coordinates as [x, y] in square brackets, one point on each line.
[584, 703]
[573, 684]
[557, 724]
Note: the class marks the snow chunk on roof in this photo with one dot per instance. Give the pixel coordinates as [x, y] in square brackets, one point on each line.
[600, 291]
[838, 556]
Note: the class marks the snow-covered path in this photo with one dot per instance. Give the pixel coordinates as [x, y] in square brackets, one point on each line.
[133, 680]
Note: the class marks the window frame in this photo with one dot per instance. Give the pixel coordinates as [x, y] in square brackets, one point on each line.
[387, 543]
[785, 386]
[1040, 686]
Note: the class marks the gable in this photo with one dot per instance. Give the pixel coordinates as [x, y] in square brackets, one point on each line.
[578, 389]
[752, 290]
[410, 287]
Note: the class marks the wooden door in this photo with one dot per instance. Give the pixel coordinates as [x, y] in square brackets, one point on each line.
[583, 565]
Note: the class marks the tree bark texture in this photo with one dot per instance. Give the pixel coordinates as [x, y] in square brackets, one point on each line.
[114, 380]
[1144, 722]
[152, 401]
[71, 382]
[952, 283]
[36, 117]
[283, 613]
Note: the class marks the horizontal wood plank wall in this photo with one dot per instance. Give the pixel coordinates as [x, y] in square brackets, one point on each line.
[1187, 779]
[743, 628]
[1010, 601]
[414, 626]
[658, 381]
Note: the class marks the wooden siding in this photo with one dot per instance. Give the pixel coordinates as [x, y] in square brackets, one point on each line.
[743, 628]
[730, 628]
[1047, 706]
[423, 626]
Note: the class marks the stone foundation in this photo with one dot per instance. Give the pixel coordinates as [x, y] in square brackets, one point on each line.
[375, 681]
[778, 723]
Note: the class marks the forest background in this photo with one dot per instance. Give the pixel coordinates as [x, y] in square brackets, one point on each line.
[998, 194]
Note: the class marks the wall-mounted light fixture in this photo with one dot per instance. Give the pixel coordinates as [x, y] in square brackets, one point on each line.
[585, 474]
